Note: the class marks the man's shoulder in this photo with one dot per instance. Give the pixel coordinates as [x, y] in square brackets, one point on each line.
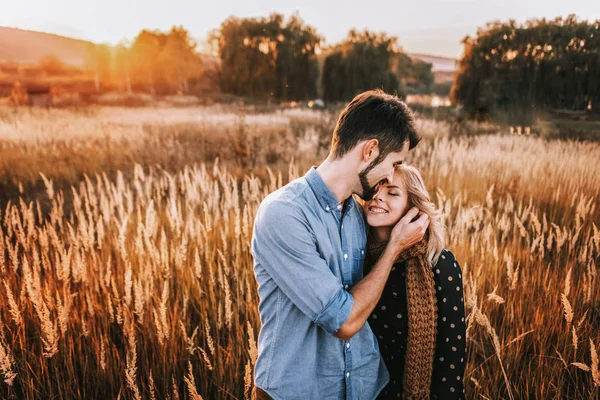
[287, 195]
[285, 201]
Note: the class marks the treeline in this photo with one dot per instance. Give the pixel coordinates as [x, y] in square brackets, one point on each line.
[285, 60]
[508, 69]
[265, 58]
[539, 66]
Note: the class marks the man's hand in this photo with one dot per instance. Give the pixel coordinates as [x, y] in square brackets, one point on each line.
[407, 233]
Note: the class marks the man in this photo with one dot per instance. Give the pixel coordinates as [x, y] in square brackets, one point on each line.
[309, 244]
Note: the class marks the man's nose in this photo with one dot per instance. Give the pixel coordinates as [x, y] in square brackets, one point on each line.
[390, 176]
[378, 193]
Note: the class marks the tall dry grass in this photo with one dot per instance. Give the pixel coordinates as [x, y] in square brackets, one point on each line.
[67, 145]
[139, 284]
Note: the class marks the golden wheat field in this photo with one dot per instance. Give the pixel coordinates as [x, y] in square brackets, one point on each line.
[125, 265]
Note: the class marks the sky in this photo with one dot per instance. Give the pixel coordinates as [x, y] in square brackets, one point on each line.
[422, 26]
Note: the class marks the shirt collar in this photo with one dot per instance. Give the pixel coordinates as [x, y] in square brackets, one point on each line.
[324, 195]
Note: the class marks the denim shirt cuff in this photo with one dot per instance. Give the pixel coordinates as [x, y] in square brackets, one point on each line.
[336, 312]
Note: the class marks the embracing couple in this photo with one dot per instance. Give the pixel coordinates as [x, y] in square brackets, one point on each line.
[359, 298]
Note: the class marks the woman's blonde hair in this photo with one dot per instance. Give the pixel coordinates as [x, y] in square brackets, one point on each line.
[418, 196]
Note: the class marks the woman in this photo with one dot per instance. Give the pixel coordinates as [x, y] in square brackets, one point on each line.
[420, 318]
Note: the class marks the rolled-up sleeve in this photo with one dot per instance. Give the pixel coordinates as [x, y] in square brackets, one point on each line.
[284, 244]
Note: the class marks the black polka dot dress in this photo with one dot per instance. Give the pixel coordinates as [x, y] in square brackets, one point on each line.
[389, 322]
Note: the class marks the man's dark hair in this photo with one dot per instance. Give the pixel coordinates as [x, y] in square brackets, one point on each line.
[375, 114]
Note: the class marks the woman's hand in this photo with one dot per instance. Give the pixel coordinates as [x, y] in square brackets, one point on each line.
[406, 233]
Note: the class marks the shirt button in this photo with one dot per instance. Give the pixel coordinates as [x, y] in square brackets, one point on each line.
[345, 256]
[347, 345]
[362, 252]
[327, 208]
[347, 374]
[339, 207]
[345, 286]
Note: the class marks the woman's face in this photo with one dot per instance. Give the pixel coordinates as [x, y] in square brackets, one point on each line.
[388, 205]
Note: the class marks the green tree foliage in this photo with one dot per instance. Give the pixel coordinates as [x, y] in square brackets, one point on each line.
[297, 69]
[335, 78]
[268, 57]
[538, 66]
[361, 62]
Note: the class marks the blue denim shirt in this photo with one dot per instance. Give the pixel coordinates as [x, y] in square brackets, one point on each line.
[308, 252]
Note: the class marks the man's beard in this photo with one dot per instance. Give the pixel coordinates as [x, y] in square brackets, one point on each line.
[368, 192]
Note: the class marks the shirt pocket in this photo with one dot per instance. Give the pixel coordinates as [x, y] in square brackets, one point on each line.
[358, 254]
[359, 246]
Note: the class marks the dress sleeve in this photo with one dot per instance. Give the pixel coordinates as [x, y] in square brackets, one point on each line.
[449, 364]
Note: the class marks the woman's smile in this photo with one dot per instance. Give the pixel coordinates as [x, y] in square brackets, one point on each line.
[377, 210]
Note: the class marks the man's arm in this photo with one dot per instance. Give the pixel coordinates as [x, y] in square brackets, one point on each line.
[367, 292]
[284, 244]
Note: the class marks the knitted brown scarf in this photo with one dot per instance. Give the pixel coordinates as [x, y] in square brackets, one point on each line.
[422, 314]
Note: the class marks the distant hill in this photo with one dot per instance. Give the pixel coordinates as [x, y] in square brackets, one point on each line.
[443, 67]
[440, 63]
[23, 46]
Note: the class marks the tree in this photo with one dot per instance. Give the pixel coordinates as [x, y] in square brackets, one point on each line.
[296, 64]
[404, 68]
[154, 61]
[268, 57]
[415, 75]
[521, 69]
[179, 60]
[122, 65]
[334, 76]
[145, 52]
[361, 62]
[98, 60]
[247, 68]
